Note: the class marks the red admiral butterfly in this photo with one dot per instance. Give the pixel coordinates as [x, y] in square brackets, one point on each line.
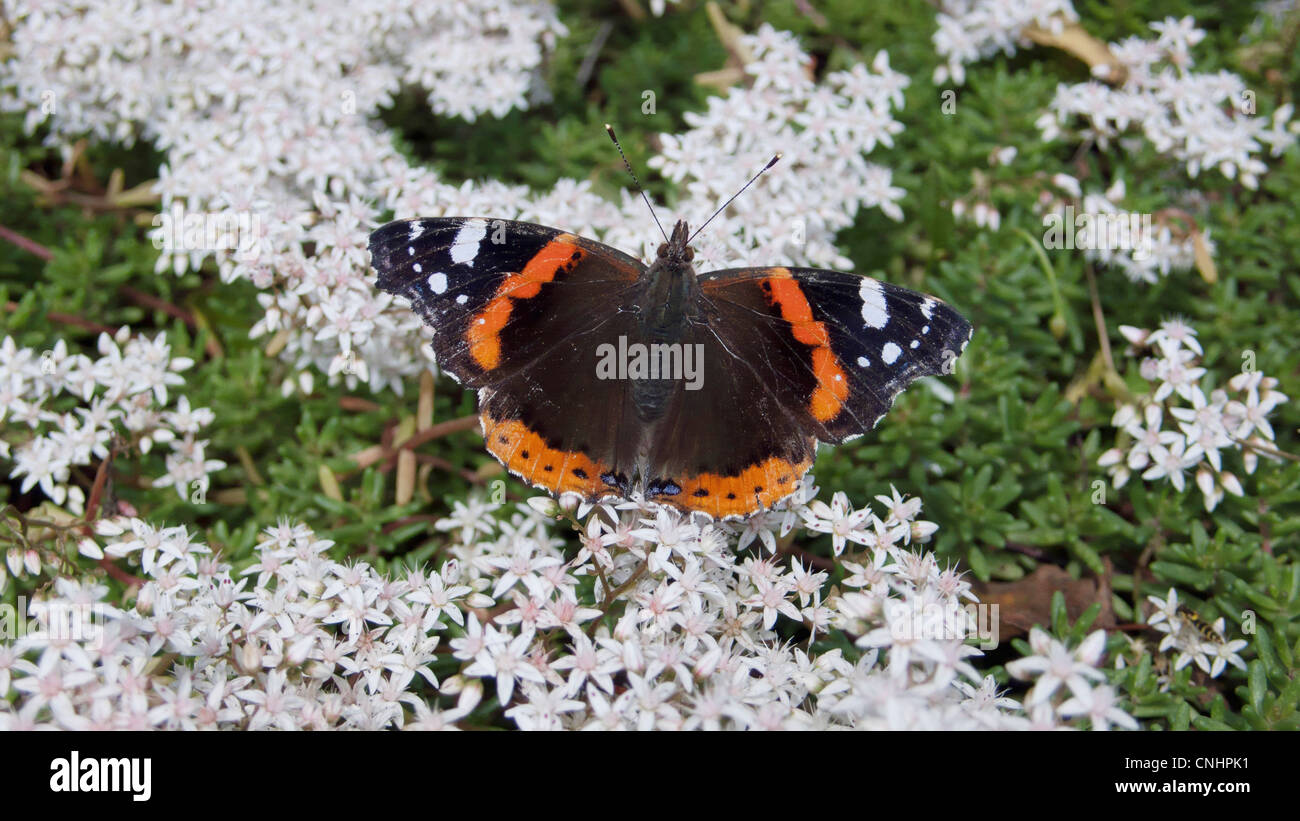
[529, 316]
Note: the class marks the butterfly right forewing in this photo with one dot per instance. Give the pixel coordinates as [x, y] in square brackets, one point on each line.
[498, 293]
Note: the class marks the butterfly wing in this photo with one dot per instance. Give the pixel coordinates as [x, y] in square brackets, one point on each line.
[482, 284]
[515, 309]
[859, 340]
[738, 443]
[793, 356]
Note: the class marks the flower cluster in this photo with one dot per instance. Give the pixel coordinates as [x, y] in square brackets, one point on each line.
[1144, 247]
[823, 130]
[299, 83]
[60, 411]
[971, 30]
[1205, 121]
[313, 171]
[694, 638]
[1235, 419]
[124, 69]
[1192, 638]
[1052, 665]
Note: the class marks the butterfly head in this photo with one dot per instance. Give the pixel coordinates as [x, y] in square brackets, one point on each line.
[669, 287]
[677, 251]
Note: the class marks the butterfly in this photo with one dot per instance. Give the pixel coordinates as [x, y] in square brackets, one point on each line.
[604, 377]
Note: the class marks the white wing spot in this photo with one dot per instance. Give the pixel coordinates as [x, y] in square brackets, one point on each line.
[410, 250]
[417, 268]
[462, 299]
[916, 343]
[465, 246]
[926, 329]
[927, 308]
[863, 362]
[890, 353]
[417, 228]
[874, 310]
[438, 282]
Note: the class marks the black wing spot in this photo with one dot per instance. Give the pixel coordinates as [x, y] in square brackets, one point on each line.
[701, 492]
[580, 473]
[503, 440]
[758, 488]
[731, 495]
[548, 468]
[523, 453]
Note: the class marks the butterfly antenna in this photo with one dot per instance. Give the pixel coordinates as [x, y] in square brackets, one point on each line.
[635, 181]
[770, 163]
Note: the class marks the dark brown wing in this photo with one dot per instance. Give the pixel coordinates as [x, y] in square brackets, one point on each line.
[518, 311]
[858, 341]
[791, 356]
[488, 287]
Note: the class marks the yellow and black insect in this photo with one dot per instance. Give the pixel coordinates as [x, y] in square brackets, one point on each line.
[1207, 631]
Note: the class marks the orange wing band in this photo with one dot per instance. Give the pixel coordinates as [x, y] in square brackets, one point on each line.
[754, 488]
[557, 257]
[832, 389]
[527, 455]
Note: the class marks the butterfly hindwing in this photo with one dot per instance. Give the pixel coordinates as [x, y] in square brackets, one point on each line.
[737, 443]
[557, 436]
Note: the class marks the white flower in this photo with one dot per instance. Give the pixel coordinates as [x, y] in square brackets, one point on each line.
[840, 520]
[1053, 664]
[506, 661]
[542, 708]
[1100, 705]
